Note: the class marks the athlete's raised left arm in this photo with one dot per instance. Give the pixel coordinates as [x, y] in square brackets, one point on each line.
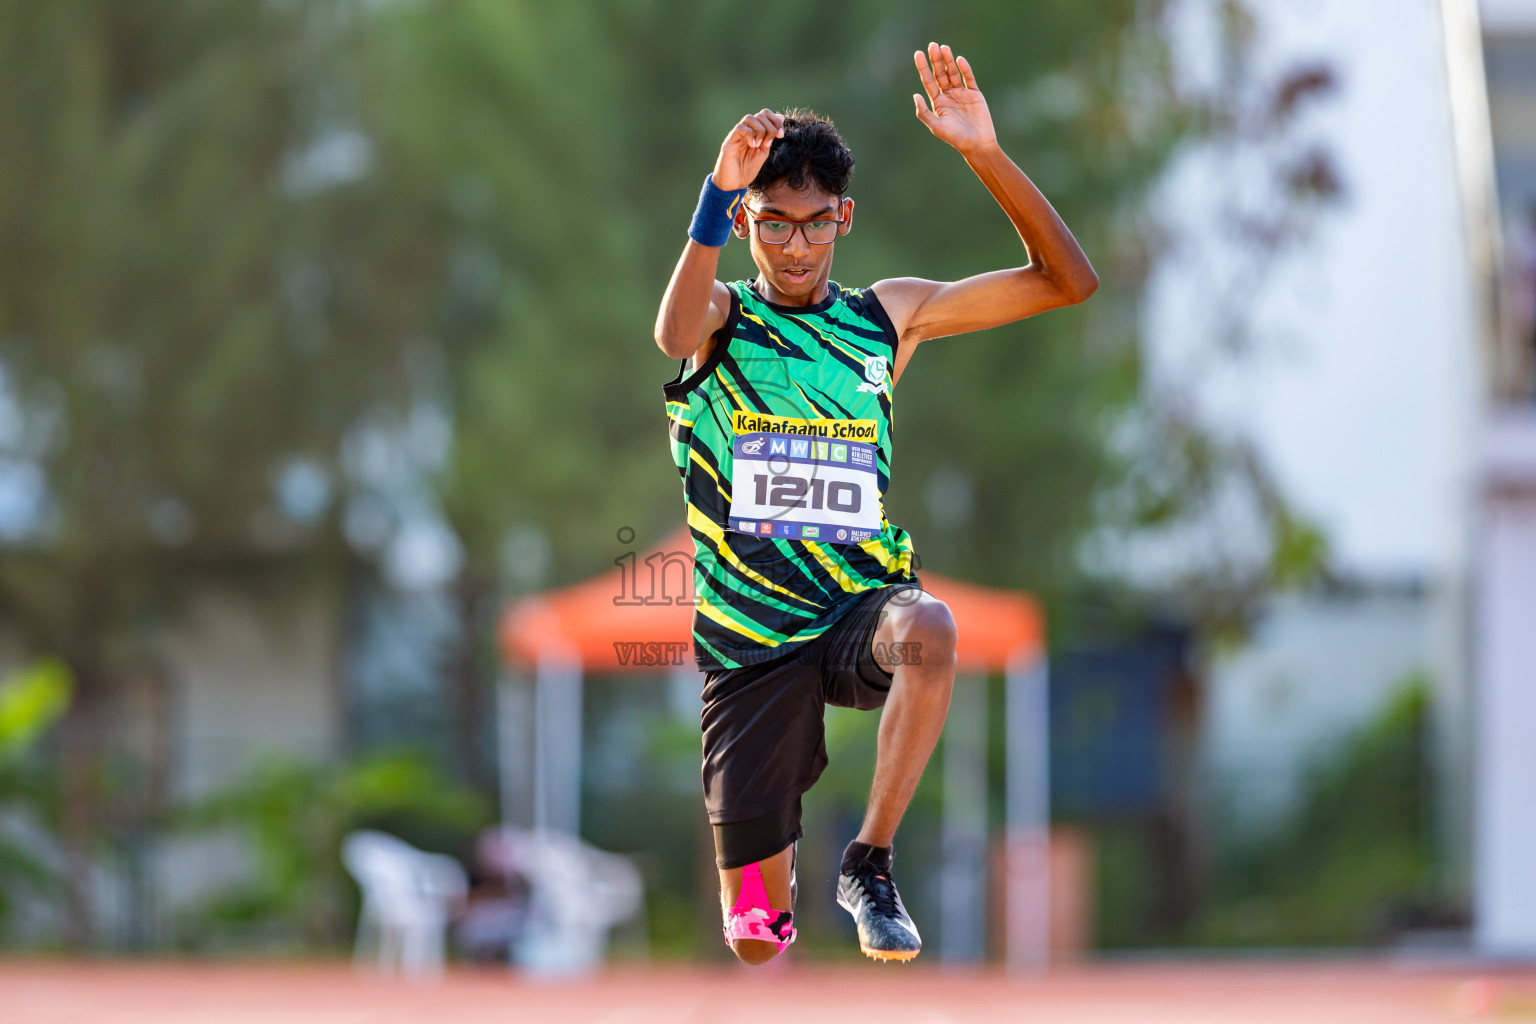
[1058, 274]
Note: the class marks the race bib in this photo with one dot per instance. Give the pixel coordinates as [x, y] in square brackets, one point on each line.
[816, 483]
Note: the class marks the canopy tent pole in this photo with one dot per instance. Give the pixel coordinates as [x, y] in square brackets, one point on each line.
[514, 751]
[557, 743]
[963, 863]
[1028, 812]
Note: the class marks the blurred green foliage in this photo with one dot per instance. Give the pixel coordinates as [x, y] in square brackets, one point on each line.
[1358, 856]
[581, 195]
[1353, 864]
[294, 816]
[248, 250]
[569, 204]
[212, 272]
[641, 796]
[32, 699]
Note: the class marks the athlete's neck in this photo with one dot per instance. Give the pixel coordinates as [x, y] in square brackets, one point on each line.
[770, 294]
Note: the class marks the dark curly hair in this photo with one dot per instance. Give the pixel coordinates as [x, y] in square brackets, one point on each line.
[810, 151]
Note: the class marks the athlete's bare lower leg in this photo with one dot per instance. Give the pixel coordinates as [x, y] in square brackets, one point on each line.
[913, 718]
[777, 871]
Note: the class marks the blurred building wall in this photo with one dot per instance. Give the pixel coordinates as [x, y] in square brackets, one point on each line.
[1362, 388]
[245, 679]
[1403, 420]
[251, 680]
[1317, 668]
[1505, 655]
[1505, 17]
[1354, 381]
[1505, 813]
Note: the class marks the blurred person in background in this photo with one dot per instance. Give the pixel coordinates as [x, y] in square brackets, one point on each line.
[805, 592]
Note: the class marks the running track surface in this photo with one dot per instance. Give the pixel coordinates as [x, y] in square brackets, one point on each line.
[51, 992]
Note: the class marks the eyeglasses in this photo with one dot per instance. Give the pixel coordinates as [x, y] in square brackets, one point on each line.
[778, 231]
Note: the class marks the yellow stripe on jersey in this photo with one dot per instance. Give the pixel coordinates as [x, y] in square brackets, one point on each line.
[699, 521]
[766, 329]
[710, 611]
[855, 354]
[833, 569]
[876, 550]
[699, 459]
[741, 403]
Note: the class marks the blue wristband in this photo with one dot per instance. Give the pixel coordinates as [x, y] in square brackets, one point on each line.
[712, 218]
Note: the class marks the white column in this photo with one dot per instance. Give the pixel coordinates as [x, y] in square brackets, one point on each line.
[1504, 858]
[1473, 369]
[1029, 814]
[962, 878]
[557, 744]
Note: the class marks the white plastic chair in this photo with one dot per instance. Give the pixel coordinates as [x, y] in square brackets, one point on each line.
[408, 897]
[579, 893]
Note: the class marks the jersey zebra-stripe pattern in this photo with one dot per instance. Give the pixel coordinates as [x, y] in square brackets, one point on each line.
[758, 598]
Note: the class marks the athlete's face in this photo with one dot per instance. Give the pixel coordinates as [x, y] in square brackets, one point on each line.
[795, 271]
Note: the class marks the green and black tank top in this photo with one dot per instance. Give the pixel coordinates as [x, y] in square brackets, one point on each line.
[783, 441]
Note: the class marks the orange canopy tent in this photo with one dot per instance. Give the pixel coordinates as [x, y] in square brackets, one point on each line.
[638, 618]
[644, 601]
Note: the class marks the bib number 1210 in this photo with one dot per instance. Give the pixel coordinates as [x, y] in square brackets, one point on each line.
[792, 492]
[805, 488]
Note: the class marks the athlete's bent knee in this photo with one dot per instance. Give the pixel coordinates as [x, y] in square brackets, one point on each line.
[929, 626]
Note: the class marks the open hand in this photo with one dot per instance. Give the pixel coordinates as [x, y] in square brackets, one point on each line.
[745, 149]
[959, 116]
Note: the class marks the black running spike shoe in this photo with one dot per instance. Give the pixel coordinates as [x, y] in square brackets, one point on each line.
[885, 931]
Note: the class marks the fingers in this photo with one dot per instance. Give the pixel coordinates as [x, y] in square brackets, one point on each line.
[949, 72]
[942, 67]
[773, 123]
[924, 115]
[965, 69]
[760, 129]
[930, 84]
[940, 74]
[952, 68]
[752, 131]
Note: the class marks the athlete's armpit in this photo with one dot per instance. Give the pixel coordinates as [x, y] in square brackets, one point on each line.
[719, 313]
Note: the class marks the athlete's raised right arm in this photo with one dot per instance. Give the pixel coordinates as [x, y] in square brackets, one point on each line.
[695, 304]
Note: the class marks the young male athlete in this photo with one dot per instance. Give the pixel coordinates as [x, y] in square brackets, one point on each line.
[805, 593]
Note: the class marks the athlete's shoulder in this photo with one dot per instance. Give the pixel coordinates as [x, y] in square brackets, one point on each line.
[859, 297]
[866, 304]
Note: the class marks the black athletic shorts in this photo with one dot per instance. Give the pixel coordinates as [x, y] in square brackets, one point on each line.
[764, 739]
